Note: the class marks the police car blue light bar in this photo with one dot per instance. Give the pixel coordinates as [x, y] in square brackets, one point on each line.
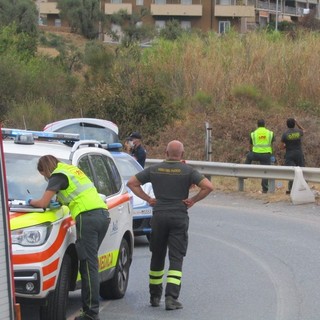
[112, 146]
[41, 135]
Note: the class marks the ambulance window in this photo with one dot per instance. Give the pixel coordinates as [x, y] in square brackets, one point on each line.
[104, 182]
[23, 177]
[114, 174]
[84, 165]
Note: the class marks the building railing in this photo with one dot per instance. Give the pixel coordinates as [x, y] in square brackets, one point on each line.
[272, 7]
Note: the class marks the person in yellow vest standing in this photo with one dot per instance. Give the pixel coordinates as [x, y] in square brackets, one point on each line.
[261, 141]
[74, 189]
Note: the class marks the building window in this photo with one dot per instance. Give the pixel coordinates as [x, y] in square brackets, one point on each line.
[160, 1]
[186, 25]
[116, 1]
[224, 2]
[224, 26]
[160, 24]
[139, 2]
[57, 22]
[187, 2]
[116, 29]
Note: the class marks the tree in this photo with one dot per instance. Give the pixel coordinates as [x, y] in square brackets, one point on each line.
[133, 97]
[22, 13]
[99, 58]
[21, 44]
[172, 30]
[311, 21]
[132, 28]
[84, 16]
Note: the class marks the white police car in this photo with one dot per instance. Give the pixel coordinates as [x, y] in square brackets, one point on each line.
[45, 263]
[142, 211]
[104, 131]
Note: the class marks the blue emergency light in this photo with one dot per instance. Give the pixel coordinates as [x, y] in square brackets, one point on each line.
[27, 136]
[112, 146]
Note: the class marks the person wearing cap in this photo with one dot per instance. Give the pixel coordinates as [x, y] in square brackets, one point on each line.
[261, 150]
[137, 150]
[127, 145]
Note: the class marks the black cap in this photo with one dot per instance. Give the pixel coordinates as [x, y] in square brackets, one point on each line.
[135, 135]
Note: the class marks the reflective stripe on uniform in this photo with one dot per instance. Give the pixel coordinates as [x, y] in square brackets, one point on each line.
[174, 277]
[75, 193]
[156, 277]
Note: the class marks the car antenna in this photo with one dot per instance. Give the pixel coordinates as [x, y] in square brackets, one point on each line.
[24, 122]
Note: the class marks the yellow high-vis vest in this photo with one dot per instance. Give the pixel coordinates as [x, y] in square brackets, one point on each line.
[262, 140]
[81, 195]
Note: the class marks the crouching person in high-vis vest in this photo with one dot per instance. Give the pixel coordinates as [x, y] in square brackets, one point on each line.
[74, 189]
[261, 141]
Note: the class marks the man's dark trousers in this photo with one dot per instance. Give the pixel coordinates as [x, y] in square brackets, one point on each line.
[92, 227]
[263, 159]
[169, 230]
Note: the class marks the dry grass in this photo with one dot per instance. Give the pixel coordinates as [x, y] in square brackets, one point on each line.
[51, 52]
[247, 78]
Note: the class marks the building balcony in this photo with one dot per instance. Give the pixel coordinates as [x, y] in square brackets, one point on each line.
[48, 8]
[111, 8]
[234, 11]
[189, 10]
[271, 7]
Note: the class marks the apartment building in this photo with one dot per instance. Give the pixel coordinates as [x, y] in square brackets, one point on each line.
[216, 15]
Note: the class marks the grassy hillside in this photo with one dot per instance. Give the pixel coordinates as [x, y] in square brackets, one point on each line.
[231, 82]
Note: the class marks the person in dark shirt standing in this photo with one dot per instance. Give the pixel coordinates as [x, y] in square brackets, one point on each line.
[137, 150]
[171, 181]
[291, 142]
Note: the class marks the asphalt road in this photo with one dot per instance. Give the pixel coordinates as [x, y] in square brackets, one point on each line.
[247, 260]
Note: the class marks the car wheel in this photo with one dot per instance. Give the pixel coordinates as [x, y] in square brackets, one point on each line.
[56, 304]
[116, 287]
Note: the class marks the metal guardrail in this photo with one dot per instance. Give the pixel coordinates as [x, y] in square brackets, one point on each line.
[243, 171]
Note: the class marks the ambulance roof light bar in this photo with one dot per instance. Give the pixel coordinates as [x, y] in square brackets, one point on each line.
[27, 136]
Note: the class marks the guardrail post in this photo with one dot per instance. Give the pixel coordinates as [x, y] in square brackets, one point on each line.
[271, 185]
[241, 184]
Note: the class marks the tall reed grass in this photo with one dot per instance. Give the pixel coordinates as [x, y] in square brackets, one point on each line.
[244, 78]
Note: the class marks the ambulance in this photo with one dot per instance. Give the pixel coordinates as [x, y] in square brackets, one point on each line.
[45, 263]
[9, 310]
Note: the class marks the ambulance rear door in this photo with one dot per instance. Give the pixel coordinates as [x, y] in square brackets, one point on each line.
[6, 282]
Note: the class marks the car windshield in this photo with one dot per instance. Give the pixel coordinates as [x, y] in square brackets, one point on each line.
[88, 131]
[127, 166]
[23, 178]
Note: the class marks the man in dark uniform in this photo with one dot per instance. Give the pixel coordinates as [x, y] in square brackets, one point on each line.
[291, 142]
[137, 150]
[171, 181]
[261, 149]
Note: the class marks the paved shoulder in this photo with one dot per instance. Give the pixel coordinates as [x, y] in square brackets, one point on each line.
[261, 202]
